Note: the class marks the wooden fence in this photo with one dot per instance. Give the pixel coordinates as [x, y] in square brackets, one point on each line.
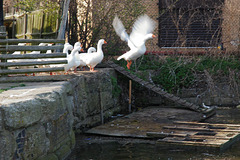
[34, 25]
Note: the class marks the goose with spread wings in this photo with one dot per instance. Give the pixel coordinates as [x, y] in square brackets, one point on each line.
[141, 32]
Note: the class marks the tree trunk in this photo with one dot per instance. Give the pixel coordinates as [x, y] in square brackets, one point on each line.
[1, 13]
[61, 33]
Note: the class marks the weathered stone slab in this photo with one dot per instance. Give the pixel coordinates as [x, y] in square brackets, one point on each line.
[22, 114]
[7, 145]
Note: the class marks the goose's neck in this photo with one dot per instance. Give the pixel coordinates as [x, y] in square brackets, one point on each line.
[148, 36]
[99, 47]
[65, 50]
[74, 51]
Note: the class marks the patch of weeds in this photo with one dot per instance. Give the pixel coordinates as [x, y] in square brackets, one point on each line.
[173, 73]
[216, 65]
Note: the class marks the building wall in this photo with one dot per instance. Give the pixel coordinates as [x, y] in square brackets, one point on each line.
[230, 27]
[231, 24]
[7, 6]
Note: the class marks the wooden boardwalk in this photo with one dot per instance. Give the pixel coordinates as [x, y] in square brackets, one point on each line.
[206, 112]
[215, 136]
[173, 128]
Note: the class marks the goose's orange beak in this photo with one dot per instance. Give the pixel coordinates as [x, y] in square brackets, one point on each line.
[82, 50]
[153, 36]
[105, 42]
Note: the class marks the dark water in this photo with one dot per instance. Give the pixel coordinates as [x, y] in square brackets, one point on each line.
[118, 151]
[108, 148]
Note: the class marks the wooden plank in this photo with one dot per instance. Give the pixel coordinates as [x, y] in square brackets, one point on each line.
[206, 113]
[215, 124]
[192, 135]
[150, 86]
[163, 135]
[34, 70]
[195, 142]
[32, 56]
[4, 41]
[187, 128]
[32, 63]
[211, 137]
[14, 79]
[230, 142]
[29, 48]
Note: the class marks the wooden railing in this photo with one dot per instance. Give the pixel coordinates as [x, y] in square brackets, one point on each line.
[8, 46]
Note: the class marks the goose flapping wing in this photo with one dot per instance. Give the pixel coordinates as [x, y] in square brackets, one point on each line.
[121, 31]
[142, 26]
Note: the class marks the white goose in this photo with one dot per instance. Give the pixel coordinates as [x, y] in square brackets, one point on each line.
[19, 44]
[38, 52]
[17, 52]
[91, 60]
[72, 62]
[67, 47]
[91, 50]
[82, 56]
[141, 32]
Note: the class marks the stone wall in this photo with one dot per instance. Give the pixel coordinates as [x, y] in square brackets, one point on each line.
[37, 120]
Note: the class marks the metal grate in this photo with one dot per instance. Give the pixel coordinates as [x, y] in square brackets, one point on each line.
[192, 25]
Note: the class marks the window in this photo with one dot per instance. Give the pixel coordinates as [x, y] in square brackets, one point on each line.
[195, 23]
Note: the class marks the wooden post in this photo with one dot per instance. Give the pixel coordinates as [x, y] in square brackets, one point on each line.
[3, 34]
[25, 26]
[130, 97]
[1, 13]
[61, 32]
